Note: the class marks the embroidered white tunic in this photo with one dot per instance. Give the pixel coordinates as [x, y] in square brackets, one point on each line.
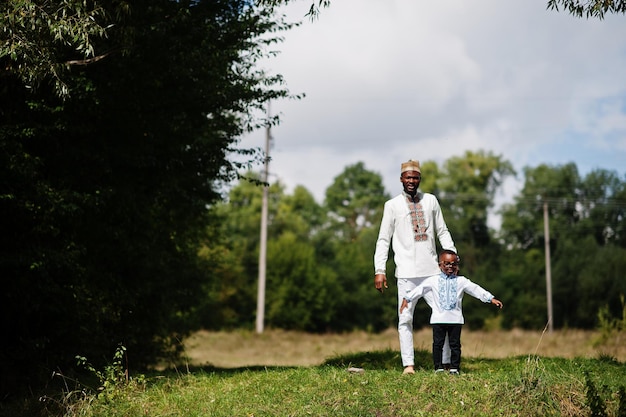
[447, 297]
[415, 251]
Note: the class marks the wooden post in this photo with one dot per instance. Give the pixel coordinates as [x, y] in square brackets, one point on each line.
[260, 307]
[546, 234]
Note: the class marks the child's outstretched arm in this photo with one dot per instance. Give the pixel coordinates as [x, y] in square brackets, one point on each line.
[414, 295]
[497, 302]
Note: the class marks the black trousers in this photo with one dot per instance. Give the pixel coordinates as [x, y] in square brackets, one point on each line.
[454, 336]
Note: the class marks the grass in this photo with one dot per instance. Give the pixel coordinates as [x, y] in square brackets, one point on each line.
[514, 385]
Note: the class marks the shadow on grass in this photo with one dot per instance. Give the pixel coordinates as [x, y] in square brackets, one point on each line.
[390, 360]
[377, 360]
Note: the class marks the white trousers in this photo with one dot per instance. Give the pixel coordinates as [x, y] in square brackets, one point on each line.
[405, 322]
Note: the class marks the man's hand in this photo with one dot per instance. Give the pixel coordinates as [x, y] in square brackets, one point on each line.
[404, 305]
[380, 282]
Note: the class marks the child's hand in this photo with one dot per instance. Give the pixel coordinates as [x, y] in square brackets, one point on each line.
[404, 305]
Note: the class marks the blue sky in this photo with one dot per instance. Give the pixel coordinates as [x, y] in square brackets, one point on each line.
[391, 80]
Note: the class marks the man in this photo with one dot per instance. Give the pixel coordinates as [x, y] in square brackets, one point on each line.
[410, 223]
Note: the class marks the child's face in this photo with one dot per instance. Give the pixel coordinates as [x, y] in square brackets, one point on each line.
[449, 264]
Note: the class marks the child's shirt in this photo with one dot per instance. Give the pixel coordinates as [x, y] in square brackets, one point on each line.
[447, 296]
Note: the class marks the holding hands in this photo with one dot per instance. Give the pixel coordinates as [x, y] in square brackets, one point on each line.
[404, 305]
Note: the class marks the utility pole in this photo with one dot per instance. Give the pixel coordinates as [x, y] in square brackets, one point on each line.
[546, 234]
[260, 306]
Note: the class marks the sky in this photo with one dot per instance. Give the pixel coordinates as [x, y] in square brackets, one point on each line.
[391, 80]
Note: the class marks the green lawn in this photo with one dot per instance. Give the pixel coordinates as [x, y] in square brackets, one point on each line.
[517, 386]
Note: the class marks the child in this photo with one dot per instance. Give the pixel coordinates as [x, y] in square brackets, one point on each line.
[447, 314]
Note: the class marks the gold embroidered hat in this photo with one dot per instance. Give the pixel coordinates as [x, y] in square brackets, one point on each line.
[410, 165]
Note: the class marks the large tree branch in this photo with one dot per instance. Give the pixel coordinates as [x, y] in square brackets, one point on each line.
[88, 60]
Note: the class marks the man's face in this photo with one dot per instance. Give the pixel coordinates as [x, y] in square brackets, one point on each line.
[449, 264]
[410, 181]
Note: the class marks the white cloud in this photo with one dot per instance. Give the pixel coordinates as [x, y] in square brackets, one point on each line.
[388, 80]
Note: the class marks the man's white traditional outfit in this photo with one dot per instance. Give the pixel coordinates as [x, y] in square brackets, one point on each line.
[409, 225]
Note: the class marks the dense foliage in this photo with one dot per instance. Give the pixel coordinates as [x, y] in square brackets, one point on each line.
[105, 181]
[320, 257]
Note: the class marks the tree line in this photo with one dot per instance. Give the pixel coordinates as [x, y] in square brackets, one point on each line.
[320, 256]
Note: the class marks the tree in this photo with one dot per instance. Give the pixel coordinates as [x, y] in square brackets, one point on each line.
[599, 285]
[299, 284]
[589, 8]
[354, 200]
[105, 192]
[467, 189]
[585, 220]
[523, 220]
[300, 213]
[353, 263]
[602, 207]
[43, 40]
[304, 287]
[303, 291]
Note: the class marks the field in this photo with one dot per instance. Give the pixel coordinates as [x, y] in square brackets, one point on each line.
[282, 348]
[279, 373]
